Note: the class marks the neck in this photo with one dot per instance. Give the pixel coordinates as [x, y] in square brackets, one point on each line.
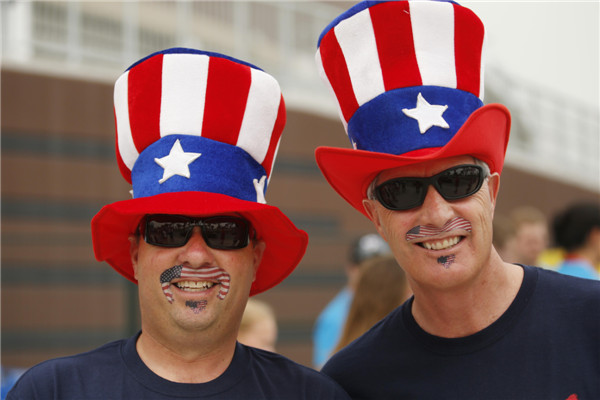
[468, 309]
[187, 358]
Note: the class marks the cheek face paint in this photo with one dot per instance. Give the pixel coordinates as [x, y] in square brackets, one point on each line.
[196, 306]
[166, 278]
[426, 231]
[211, 274]
[446, 261]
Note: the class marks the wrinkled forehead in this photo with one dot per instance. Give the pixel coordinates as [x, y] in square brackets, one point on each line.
[424, 169]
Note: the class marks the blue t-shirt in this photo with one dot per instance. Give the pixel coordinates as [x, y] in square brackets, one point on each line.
[329, 326]
[545, 346]
[578, 267]
[115, 371]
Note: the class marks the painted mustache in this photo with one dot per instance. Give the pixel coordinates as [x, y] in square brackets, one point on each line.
[425, 231]
[203, 274]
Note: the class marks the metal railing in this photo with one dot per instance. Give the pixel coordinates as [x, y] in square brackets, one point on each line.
[550, 136]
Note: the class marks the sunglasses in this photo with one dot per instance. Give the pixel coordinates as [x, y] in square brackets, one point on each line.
[221, 232]
[452, 184]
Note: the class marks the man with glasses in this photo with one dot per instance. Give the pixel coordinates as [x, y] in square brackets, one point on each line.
[425, 167]
[197, 135]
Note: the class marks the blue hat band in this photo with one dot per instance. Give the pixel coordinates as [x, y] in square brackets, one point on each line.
[390, 123]
[181, 163]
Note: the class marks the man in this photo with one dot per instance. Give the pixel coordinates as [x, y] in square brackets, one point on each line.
[197, 135]
[330, 322]
[425, 168]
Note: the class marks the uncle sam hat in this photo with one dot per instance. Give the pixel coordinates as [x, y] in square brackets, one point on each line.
[408, 79]
[197, 135]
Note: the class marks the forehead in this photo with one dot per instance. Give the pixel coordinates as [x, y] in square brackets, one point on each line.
[424, 169]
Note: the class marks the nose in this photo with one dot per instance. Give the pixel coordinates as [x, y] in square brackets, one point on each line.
[196, 252]
[436, 209]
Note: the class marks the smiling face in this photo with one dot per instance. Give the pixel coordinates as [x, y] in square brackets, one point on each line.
[193, 287]
[440, 244]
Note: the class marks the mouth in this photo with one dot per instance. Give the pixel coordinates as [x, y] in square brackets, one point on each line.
[435, 238]
[192, 280]
[441, 244]
[193, 286]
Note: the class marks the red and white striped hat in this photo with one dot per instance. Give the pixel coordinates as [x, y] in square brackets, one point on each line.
[408, 80]
[197, 135]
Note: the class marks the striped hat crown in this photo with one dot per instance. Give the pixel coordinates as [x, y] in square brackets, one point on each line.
[189, 120]
[406, 74]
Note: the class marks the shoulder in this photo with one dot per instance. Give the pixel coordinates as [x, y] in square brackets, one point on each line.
[45, 379]
[370, 348]
[568, 296]
[373, 360]
[275, 368]
[106, 352]
[279, 365]
[567, 285]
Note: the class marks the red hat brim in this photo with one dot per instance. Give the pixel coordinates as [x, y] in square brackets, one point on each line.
[484, 135]
[285, 244]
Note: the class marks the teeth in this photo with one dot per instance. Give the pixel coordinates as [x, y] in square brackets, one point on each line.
[441, 245]
[194, 286]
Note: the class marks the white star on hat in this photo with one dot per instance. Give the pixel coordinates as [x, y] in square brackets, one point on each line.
[427, 115]
[177, 162]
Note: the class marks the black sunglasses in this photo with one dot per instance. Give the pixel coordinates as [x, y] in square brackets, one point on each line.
[452, 184]
[220, 232]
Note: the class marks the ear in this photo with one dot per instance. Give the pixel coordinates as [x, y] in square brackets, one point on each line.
[258, 251]
[373, 214]
[494, 188]
[134, 249]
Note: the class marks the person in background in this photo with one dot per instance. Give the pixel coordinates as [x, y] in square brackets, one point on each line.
[503, 233]
[522, 236]
[197, 136]
[259, 326]
[8, 377]
[576, 229]
[330, 322]
[424, 164]
[381, 287]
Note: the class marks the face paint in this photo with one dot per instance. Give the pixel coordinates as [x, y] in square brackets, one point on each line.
[446, 261]
[425, 231]
[196, 306]
[210, 274]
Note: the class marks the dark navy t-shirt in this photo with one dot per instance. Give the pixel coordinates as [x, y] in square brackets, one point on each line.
[115, 371]
[545, 346]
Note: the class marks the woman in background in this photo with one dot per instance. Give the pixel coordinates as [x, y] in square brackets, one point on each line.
[382, 286]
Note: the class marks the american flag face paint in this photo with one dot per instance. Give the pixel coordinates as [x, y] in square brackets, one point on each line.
[420, 232]
[446, 261]
[210, 274]
[196, 306]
